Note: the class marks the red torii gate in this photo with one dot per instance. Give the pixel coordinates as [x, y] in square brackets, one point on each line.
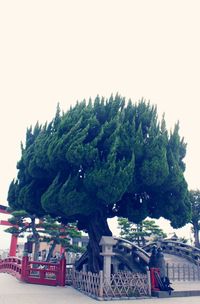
[14, 238]
[13, 243]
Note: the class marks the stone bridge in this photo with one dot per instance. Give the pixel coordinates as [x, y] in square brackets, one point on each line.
[174, 249]
[129, 256]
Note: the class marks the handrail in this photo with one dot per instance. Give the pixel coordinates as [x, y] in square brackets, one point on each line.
[11, 265]
[35, 272]
[177, 248]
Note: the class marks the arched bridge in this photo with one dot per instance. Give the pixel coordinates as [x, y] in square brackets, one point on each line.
[129, 256]
[175, 248]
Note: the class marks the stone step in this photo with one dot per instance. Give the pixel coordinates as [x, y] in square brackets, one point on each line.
[179, 293]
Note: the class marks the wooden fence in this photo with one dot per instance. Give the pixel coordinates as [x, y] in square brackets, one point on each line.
[183, 272]
[121, 284]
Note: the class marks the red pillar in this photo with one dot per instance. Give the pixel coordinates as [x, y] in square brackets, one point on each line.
[154, 283]
[24, 272]
[62, 272]
[13, 246]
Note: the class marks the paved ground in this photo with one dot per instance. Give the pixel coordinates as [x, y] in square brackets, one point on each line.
[186, 286]
[14, 292]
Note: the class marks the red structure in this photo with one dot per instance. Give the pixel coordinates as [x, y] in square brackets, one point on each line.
[154, 282]
[33, 272]
[13, 243]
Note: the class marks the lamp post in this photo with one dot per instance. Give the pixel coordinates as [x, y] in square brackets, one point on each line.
[107, 243]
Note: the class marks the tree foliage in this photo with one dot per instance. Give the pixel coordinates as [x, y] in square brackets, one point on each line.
[101, 159]
[55, 233]
[139, 233]
[195, 219]
[45, 229]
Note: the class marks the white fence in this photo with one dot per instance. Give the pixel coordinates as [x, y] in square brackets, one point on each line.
[121, 284]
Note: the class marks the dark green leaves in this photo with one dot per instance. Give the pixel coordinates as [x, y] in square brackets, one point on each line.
[124, 153]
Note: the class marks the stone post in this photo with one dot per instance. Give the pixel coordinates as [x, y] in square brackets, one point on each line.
[149, 280]
[107, 243]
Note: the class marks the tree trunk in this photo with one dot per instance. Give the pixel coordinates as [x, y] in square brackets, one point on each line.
[138, 240]
[196, 235]
[36, 238]
[36, 249]
[97, 227]
[51, 250]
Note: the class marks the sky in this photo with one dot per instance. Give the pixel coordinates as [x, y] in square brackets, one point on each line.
[64, 51]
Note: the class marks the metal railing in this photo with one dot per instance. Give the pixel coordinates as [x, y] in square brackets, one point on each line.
[183, 272]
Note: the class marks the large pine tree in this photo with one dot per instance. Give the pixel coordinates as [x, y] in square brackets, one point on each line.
[99, 160]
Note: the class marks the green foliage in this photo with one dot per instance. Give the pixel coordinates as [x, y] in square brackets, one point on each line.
[18, 222]
[195, 219]
[47, 230]
[103, 155]
[12, 230]
[138, 233]
[52, 231]
[55, 233]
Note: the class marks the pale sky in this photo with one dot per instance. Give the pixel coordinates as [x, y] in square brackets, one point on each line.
[63, 51]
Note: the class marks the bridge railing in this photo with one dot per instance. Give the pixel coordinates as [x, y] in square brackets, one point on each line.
[183, 272]
[44, 273]
[11, 265]
[178, 248]
[183, 250]
[35, 272]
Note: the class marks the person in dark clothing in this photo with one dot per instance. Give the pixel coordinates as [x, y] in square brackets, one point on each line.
[166, 284]
[152, 261]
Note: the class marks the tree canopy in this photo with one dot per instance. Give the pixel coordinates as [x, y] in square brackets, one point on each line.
[99, 160]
